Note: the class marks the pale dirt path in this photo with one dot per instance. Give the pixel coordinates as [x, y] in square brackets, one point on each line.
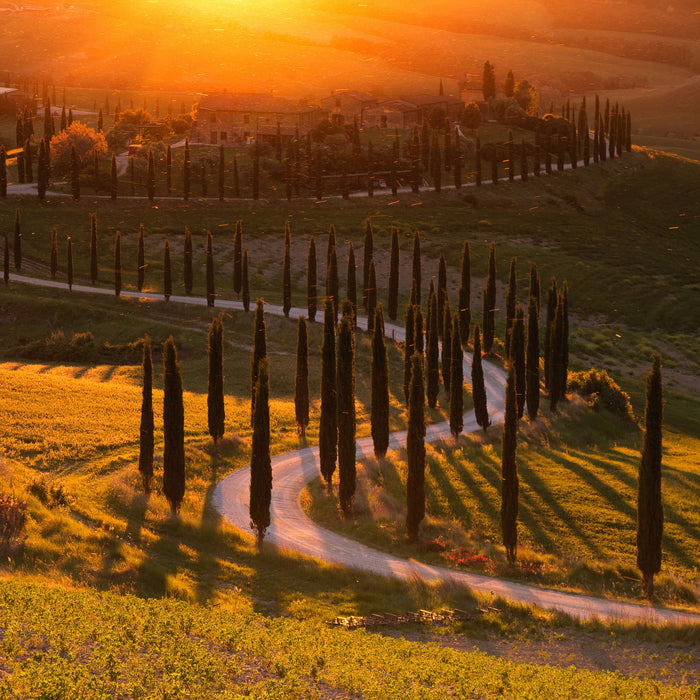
[293, 530]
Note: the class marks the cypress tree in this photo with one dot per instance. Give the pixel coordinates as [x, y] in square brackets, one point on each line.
[141, 260]
[245, 288]
[517, 353]
[457, 162]
[6, 262]
[173, 429]
[287, 271]
[416, 268]
[432, 355]
[415, 450]
[54, 253]
[549, 323]
[114, 182]
[256, 170]
[346, 413]
[187, 262]
[28, 161]
[236, 181]
[18, 243]
[489, 310]
[509, 472]
[536, 160]
[523, 162]
[456, 380]
[210, 270]
[215, 385]
[441, 294]
[69, 263]
[351, 282]
[311, 287]
[151, 180]
[379, 415]
[237, 257]
[167, 273]
[418, 330]
[328, 427]
[169, 170]
[564, 339]
[368, 256]
[301, 378]
[147, 425]
[332, 270]
[465, 312]
[118, 263]
[42, 175]
[186, 171]
[371, 296]
[478, 389]
[93, 248]
[650, 512]
[393, 295]
[259, 353]
[260, 462]
[3, 172]
[48, 120]
[222, 172]
[511, 297]
[447, 349]
[408, 349]
[556, 388]
[532, 375]
[69, 122]
[534, 290]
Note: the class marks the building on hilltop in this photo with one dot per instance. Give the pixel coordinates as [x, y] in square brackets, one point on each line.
[235, 117]
[343, 106]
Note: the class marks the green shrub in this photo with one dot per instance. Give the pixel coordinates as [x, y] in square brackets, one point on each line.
[602, 391]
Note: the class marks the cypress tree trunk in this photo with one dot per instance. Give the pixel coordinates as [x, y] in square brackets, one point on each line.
[54, 253]
[447, 349]
[408, 349]
[215, 387]
[69, 263]
[311, 287]
[287, 271]
[93, 248]
[456, 381]
[368, 256]
[301, 378]
[141, 261]
[173, 429]
[549, 323]
[393, 296]
[351, 282]
[517, 352]
[260, 462]
[509, 472]
[464, 299]
[432, 355]
[532, 377]
[187, 262]
[650, 512]
[237, 257]
[222, 172]
[118, 263]
[328, 428]
[441, 293]
[379, 416]
[489, 310]
[18, 243]
[511, 297]
[346, 414]
[167, 271]
[371, 297]
[151, 176]
[114, 182]
[478, 389]
[147, 425]
[259, 352]
[246, 289]
[416, 269]
[415, 450]
[169, 171]
[332, 271]
[211, 294]
[186, 171]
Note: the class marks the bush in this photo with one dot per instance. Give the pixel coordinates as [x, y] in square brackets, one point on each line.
[51, 495]
[86, 142]
[13, 517]
[602, 391]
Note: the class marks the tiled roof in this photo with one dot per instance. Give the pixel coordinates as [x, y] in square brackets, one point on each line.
[249, 102]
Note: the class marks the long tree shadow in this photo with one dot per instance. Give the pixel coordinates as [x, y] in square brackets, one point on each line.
[443, 485]
[208, 566]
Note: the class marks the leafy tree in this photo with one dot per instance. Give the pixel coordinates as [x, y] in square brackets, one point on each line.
[517, 353]
[328, 428]
[509, 472]
[511, 299]
[167, 271]
[187, 262]
[346, 413]
[301, 378]
[260, 462]
[173, 428]
[650, 512]
[408, 348]
[368, 256]
[287, 271]
[432, 355]
[259, 352]
[210, 271]
[118, 263]
[415, 450]
[311, 286]
[215, 386]
[54, 253]
[86, 143]
[489, 310]
[379, 415]
[393, 296]
[478, 387]
[416, 266]
[147, 426]
[18, 243]
[246, 289]
[532, 375]
[456, 380]
[351, 282]
[141, 260]
[69, 262]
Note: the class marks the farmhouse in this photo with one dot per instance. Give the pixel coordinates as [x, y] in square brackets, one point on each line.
[345, 105]
[13, 100]
[235, 117]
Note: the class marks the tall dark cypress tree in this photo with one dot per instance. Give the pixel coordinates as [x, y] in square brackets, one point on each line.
[287, 271]
[141, 260]
[534, 290]
[167, 271]
[186, 171]
[114, 182]
[54, 253]
[245, 293]
[489, 310]
[118, 263]
[368, 256]
[441, 294]
[69, 262]
[415, 450]
[511, 299]
[18, 242]
[379, 413]
[173, 429]
[328, 427]
[532, 375]
[351, 281]
[393, 294]
[418, 330]
[93, 248]
[517, 353]
[332, 270]
[408, 349]
[447, 349]
[260, 462]
[311, 280]
[187, 272]
[416, 266]
[456, 380]
[42, 175]
[301, 377]
[147, 425]
[549, 324]
[432, 355]
[371, 296]
[211, 293]
[478, 388]
[345, 382]
[259, 352]
[650, 512]
[464, 299]
[509, 472]
[564, 366]
[237, 257]
[556, 342]
[216, 414]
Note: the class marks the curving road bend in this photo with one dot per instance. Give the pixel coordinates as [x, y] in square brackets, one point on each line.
[291, 529]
